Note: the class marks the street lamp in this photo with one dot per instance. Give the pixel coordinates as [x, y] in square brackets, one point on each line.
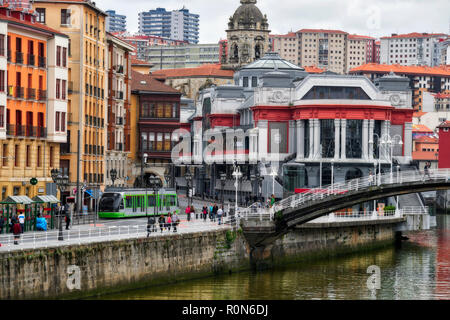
[155, 184]
[144, 162]
[188, 176]
[223, 179]
[237, 174]
[113, 175]
[62, 182]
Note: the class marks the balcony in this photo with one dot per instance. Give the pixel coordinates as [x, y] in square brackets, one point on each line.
[31, 59]
[70, 87]
[41, 132]
[31, 94]
[10, 91]
[119, 69]
[29, 132]
[20, 130]
[19, 57]
[119, 121]
[10, 130]
[119, 146]
[20, 92]
[120, 95]
[42, 95]
[65, 148]
[42, 62]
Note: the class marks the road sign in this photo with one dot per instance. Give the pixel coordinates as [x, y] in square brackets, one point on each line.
[34, 181]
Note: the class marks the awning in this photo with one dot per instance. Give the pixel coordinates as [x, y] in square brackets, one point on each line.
[46, 199]
[18, 200]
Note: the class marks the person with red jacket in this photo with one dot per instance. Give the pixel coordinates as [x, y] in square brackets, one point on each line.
[17, 230]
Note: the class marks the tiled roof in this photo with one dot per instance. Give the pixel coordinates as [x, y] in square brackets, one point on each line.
[398, 69]
[415, 35]
[445, 124]
[87, 2]
[442, 95]
[358, 37]
[288, 35]
[313, 69]
[426, 139]
[418, 114]
[321, 31]
[206, 70]
[35, 25]
[140, 62]
[421, 128]
[142, 82]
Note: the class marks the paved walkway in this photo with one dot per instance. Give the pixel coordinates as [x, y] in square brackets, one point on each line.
[102, 232]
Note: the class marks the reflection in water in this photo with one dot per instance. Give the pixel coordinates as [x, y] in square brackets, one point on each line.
[419, 269]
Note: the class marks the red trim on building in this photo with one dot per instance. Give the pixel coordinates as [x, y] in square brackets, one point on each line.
[224, 120]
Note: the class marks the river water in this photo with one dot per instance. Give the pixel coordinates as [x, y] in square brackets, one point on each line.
[417, 269]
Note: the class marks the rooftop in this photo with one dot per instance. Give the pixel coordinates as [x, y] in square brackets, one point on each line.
[313, 69]
[147, 83]
[406, 70]
[272, 60]
[426, 139]
[415, 35]
[445, 124]
[359, 37]
[206, 70]
[321, 31]
[421, 128]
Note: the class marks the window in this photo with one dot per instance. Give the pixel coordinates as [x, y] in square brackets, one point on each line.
[63, 90]
[63, 122]
[16, 155]
[58, 56]
[2, 116]
[5, 155]
[327, 135]
[40, 15]
[51, 157]
[58, 88]
[354, 139]
[38, 156]
[2, 45]
[57, 118]
[64, 57]
[65, 16]
[245, 82]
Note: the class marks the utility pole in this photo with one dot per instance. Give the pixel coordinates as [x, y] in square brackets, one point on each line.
[78, 172]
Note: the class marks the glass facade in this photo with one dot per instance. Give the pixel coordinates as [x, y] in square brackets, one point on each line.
[354, 139]
[376, 142]
[322, 92]
[327, 138]
[294, 177]
[278, 137]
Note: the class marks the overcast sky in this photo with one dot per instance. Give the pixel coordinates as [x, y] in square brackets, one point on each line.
[374, 18]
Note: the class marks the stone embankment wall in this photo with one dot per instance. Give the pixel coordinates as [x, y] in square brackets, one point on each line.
[99, 268]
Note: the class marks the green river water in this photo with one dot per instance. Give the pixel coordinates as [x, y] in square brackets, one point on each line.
[417, 269]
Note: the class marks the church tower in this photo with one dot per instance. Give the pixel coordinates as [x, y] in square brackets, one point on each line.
[247, 34]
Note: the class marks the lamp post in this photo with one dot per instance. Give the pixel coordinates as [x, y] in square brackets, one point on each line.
[332, 176]
[143, 163]
[237, 174]
[223, 179]
[155, 184]
[392, 141]
[62, 182]
[113, 175]
[188, 176]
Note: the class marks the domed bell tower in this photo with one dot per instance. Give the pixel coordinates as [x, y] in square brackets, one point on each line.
[247, 34]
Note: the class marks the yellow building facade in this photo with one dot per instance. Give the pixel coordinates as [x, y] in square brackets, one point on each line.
[84, 23]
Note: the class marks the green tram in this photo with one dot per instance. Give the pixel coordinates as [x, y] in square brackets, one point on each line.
[130, 203]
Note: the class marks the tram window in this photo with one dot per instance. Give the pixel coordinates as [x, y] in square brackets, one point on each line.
[142, 202]
[121, 205]
[129, 202]
[151, 201]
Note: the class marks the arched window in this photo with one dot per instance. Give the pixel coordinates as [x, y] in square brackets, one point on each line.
[235, 52]
[257, 51]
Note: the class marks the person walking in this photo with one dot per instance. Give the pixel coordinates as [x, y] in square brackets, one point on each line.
[2, 223]
[150, 226]
[17, 230]
[204, 213]
[162, 222]
[219, 215]
[188, 213]
[67, 215]
[22, 221]
[215, 209]
[175, 221]
[426, 171]
[370, 178]
[192, 211]
[211, 209]
[272, 200]
[169, 222]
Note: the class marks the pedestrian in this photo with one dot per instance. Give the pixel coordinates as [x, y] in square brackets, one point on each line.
[169, 222]
[22, 221]
[162, 222]
[67, 215]
[370, 178]
[41, 223]
[17, 230]
[188, 213]
[219, 215]
[196, 215]
[272, 200]
[192, 211]
[211, 209]
[175, 221]
[426, 170]
[215, 209]
[150, 225]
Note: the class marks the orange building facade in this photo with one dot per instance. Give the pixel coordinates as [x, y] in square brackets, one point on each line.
[33, 102]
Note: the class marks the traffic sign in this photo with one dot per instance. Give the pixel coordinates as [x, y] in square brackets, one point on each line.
[33, 181]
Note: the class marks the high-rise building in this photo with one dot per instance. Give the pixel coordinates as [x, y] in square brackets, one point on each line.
[115, 22]
[360, 50]
[286, 45]
[33, 102]
[411, 49]
[87, 100]
[176, 24]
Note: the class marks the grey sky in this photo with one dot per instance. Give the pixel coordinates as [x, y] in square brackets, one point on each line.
[375, 18]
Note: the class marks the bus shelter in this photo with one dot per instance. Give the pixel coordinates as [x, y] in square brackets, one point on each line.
[15, 205]
[47, 206]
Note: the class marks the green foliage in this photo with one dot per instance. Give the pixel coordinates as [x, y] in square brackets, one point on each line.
[279, 216]
[229, 238]
[389, 208]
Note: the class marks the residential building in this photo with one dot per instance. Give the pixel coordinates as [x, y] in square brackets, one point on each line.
[422, 78]
[84, 23]
[436, 109]
[426, 149]
[33, 102]
[286, 45]
[325, 49]
[411, 49]
[190, 81]
[142, 42]
[119, 92]
[247, 35]
[182, 56]
[141, 66]
[443, 51]
[377, 52]
[115, 22]
[155, 115]
[176, 24]
[360, 50]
